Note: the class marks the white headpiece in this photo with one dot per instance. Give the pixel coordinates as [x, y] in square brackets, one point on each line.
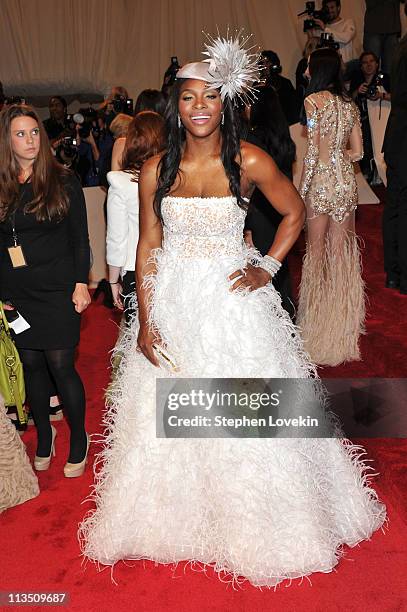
[229, 67]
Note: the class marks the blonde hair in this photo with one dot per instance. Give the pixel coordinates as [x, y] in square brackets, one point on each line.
[310, 47]
[120, 125]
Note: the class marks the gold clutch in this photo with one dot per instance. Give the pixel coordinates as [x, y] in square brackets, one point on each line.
[165, 360]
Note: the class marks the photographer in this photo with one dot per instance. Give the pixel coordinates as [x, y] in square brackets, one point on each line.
[77, 149]
[88, 151]
[118, 101]
[104, 142]
[283, 87]
[169, 77]
[57, 125]
[368, 84]
[343, 30]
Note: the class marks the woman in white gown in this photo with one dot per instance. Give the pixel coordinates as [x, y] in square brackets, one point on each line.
[264, 509]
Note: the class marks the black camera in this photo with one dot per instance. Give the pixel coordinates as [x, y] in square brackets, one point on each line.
[121, 104]
[374, 85]
[69, 147]
[67, 150]
[87, 119]
[327, 41]
[171, 72]
[309, 24]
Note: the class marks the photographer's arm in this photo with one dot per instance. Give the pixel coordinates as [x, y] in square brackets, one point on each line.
[95, 151]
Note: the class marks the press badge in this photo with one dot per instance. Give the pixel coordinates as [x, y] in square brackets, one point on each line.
[16, 252]
[17, 256]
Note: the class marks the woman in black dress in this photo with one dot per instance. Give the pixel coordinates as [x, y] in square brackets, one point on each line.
[44, 265]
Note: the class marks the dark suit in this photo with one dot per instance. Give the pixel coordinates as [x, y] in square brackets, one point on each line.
[395, 155]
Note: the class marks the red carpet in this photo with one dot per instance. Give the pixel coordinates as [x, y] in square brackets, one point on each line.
[39, 550]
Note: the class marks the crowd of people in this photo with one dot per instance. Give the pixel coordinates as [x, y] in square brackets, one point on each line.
[201, 214]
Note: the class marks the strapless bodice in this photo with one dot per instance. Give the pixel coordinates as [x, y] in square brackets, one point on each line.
[200, 227]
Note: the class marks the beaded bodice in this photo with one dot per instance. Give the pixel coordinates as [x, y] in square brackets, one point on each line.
[200, 227]
[328, 181]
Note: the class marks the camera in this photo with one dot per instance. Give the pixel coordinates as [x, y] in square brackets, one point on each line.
[121, 104]
[327, 41]
[374, 85]
[171, 72]
[309, 23]
[87, 119]
[69, 146]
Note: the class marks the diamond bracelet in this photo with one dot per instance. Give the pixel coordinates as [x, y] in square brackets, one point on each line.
[270, 264]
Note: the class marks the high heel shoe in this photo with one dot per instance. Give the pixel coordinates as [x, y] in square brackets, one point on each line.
[42, 463]
[72, 470]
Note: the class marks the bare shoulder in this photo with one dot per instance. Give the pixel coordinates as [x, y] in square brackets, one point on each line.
[256, 163]
[150, 169]
[318, 100]
[151, 165]
[251, 154]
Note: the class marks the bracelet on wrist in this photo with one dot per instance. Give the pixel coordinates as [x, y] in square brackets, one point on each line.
[270, 264]
[115, 283]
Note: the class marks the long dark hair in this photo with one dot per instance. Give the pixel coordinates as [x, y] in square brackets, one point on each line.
[50, 200]
[145, 138]
[325, 68]
[150, 99]
[170, 161]
[269, 125]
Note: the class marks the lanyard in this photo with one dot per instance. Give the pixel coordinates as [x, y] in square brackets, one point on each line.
[13, 228]
[13, 215]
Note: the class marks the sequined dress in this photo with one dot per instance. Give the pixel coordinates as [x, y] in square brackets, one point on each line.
[331, 308]
[261, 509]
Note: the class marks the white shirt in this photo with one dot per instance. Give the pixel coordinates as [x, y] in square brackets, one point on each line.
[343, 31]
[122, 221]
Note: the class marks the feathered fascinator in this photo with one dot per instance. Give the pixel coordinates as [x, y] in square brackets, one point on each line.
[230, 67]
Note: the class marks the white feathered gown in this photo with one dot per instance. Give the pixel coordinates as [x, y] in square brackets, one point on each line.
[263, 509]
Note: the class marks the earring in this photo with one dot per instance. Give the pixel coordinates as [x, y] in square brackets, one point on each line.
[179, 121]
[222, 121]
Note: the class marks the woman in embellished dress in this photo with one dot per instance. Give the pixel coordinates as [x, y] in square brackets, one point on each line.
[18, 482]
[264, 510]
[331, 309]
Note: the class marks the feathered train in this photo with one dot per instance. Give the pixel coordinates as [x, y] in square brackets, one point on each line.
[264, 510]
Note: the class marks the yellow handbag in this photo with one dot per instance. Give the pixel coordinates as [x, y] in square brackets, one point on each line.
[12, 385]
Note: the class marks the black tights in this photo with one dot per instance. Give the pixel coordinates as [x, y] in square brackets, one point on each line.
[70, 388]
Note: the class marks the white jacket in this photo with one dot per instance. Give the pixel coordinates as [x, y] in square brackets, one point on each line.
[343, 31]
[122, 221]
